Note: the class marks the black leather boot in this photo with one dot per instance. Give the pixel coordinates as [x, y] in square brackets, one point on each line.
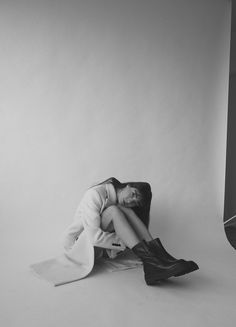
[156, 269]
[156, 247]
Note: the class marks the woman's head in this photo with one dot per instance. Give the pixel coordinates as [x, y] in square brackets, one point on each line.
[140, 191]
[129, 196]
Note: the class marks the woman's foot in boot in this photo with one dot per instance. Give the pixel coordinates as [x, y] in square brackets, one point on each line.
[156, 269]
[156, 247]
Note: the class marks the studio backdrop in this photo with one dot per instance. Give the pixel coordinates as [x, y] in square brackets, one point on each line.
[132, 89]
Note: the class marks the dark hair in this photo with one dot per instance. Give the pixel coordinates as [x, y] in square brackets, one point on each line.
[144, 188]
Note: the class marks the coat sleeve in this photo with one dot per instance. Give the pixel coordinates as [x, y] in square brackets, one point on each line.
[72, 233]
[91, 219]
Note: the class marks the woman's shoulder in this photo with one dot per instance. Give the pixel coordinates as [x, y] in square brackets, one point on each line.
[95, 192]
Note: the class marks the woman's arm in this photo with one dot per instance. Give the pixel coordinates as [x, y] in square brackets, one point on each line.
[72, 233]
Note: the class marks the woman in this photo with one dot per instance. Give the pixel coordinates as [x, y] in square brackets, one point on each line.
[113, 216]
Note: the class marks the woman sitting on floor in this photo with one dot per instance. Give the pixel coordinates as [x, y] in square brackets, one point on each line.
[115, 216]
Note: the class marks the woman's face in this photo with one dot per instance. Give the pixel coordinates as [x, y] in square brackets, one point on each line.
[128, 196]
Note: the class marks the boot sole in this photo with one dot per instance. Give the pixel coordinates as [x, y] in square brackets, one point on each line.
[162, 276]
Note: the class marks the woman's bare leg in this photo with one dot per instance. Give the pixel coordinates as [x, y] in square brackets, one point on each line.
[137, 224]
[121, 225]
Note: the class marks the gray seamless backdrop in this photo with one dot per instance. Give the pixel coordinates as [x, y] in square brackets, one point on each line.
[132, 89]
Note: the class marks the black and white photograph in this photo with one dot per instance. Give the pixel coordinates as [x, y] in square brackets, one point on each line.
[117, 163]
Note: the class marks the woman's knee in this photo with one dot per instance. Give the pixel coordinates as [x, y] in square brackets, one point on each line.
[126, 210]
[129, 213]
[111, 211]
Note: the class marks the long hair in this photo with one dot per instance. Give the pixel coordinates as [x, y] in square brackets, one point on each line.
[144, 188]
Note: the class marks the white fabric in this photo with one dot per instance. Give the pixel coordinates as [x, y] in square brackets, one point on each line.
[80, 238]
[71, 266]
[88, 219]
[62, 270]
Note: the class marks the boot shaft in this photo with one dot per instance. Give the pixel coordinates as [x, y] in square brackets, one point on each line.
[157, 247]
[148, 257]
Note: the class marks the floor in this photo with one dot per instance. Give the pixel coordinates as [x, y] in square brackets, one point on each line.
[206, 297]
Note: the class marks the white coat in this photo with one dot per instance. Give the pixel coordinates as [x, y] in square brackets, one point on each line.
[85, 232]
